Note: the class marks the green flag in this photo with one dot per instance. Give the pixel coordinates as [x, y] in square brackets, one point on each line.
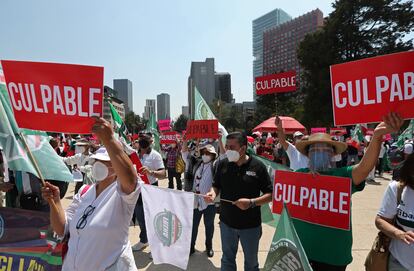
[267, 216]
[408, 133]
[286, 251]
[357, 134]
[152, 127]
[50, 164]
[120, 127]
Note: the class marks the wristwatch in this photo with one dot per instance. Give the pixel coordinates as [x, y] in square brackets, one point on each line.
[252, 203]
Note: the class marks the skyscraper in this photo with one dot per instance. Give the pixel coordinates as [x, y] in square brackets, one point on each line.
[163, 106]
[202, 78]
[149, 108]
[280, 43]
[124, 89]
[269, 20]
[223, 86]
[185, 111]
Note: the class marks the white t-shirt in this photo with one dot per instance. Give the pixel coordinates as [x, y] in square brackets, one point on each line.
[153, 161]
[405, 219]
[104, 239]
[297, 159]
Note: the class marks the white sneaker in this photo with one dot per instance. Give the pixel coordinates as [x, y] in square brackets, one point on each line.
[139, 246]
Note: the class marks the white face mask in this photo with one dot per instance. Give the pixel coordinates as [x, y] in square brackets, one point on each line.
[233, 156]
[99, 171]
[79, 149]
[206, 158]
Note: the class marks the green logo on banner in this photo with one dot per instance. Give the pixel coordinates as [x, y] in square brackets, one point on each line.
[168, 227]
[285, 256]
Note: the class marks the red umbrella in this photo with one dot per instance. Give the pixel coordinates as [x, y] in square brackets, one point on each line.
[290, 125]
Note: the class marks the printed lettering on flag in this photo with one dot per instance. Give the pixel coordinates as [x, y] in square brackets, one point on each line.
[202, 129]
[319, 199]
[365, 90]
[276, 83]
[54, 97]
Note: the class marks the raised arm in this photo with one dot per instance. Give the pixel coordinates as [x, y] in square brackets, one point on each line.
[392, 123]
[121, 163]
[281, 133]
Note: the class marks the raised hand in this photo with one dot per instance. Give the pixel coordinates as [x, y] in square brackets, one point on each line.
[102, 129]
[391, 124]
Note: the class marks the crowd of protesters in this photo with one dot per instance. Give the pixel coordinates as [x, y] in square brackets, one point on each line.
[224, 169]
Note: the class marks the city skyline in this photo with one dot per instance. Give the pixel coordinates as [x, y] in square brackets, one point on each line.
[151, 55]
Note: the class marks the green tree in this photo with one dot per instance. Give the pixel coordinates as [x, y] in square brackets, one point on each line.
[134, 123]
[181, 123]
[354, 30]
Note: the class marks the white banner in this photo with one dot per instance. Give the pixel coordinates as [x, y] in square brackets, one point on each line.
[169, 222]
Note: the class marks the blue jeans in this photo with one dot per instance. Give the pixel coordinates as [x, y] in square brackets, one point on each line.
[139, 214]
[208, 216]
[249, 239]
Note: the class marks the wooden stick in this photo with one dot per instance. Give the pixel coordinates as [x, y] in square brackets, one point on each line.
[42, 180]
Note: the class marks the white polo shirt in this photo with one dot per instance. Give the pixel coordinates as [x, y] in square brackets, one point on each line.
[104, 239]
[153, 161]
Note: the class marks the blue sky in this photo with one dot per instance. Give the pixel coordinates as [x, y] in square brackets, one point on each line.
[152, 43]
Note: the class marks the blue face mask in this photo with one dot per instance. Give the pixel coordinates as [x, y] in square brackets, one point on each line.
[320, 156]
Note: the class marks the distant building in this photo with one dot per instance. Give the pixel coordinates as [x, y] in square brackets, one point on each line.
[280, 43]
[185, 111]
[124, 89]
[202, 78]
[163, 106]
[259, 25]
[149, 108]
[110, 97]
[223, 86]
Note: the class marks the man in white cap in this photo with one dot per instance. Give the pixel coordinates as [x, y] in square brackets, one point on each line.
[79, 162]
[297, 160]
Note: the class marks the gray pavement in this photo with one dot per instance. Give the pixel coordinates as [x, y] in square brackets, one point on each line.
[364, 207]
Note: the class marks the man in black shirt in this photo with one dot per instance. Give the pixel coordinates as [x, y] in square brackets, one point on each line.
[244, 185]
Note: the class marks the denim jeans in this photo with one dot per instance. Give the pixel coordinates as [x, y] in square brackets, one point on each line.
[139, 214]
[171, 174]
[208, 216]
[249, 239]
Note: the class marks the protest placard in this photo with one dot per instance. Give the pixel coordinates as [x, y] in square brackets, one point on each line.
[317, 199]
[318, 130]
[275, 83]
[365, 90]
[168, 137]
[164, 125]
[202, 129]
[54, 97]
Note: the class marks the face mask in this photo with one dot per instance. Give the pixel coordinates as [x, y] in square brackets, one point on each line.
[99, 171]
[143, 144]
[233, 156]
[206, 158]
[320, 160]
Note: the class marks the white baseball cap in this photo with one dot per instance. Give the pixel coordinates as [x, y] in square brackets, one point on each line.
[101, 154]
[297, 133]
[408, 148]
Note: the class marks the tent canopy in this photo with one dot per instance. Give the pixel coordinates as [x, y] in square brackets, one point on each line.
[290, 125]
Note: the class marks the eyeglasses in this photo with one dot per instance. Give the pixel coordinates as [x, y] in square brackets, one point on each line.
[82, 221]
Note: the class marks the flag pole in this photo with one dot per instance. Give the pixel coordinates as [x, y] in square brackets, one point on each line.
[42, 180]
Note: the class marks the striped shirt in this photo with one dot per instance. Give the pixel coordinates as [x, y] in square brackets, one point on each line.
[203, 181]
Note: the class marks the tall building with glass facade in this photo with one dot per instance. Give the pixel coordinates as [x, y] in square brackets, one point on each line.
[163, 106]
[261, 24]
[124, 89]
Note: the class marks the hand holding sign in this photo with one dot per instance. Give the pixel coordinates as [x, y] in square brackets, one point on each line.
[103, 130]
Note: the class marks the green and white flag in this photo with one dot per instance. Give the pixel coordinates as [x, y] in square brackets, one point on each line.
[286, 251]
[408, 133]
[153, 128]
[357, 134]
[120, 127]
[50, 164]
[203, 112]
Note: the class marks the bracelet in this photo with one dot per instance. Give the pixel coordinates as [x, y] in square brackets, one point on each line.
[252, 203]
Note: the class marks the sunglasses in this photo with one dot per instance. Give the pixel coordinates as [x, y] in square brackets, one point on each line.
[82, 220]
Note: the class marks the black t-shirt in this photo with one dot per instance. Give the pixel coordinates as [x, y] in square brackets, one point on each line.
[246, 181]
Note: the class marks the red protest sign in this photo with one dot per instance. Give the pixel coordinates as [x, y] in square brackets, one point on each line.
[275, 83]
[322, 200]
[318, 130]
[364, 91]
[202, 129]
[54, 97]
[164, 125]
[340, 131]
[168, 137]
[137, 163]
